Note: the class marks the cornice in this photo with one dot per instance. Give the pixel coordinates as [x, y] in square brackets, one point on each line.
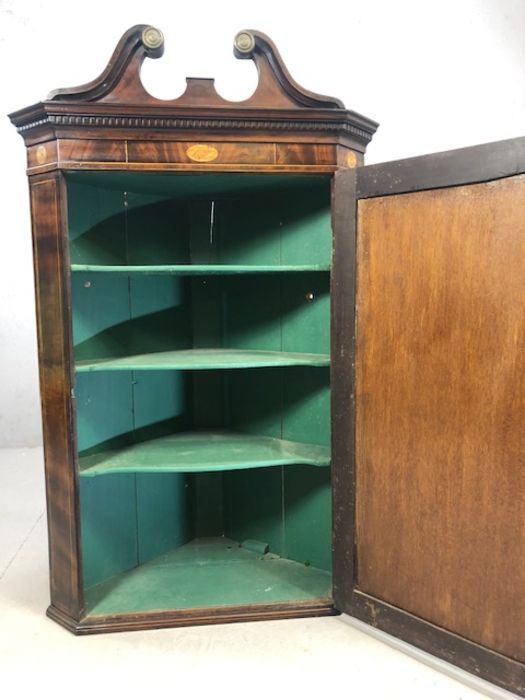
[344, 124]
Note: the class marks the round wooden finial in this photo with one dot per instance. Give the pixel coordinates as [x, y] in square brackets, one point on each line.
[152, 38]
[244, 42]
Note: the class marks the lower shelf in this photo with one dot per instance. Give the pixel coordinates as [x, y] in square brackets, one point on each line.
[203, 451]
[208, 572]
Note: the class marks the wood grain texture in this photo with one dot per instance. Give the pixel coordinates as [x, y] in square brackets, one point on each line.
[174, 152]
[91, 150]
[54, 343]
[342, 384]
[450, 647]
[441, 408]
[120, 81]
[185, 618]
[118, 100]
[305, 154]
[461, 166]
[101, 153]
[113, 124]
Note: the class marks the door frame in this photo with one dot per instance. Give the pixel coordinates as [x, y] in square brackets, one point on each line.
[464, 166]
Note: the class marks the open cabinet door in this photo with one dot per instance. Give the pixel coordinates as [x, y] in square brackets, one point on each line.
[429, 404]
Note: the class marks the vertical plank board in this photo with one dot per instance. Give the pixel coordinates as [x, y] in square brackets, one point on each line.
[290, 314]
[164, 513]
[96, 224]
[306, 233]
[252, 310]
[100, 315]
[156, 230]
[253, 506]
[306, 490]
[109, 526]
[107, 504]
[208, 388]
[104, 408]
[248, 230]
[208, 504]
[307, 516]
[159, 314]
[305, 313]
[163, 501]
[254, 498]
[204, 232]
[100, 323]
[305, 327]
[160, 320]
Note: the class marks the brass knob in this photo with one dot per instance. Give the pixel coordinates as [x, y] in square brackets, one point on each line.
[152, 38]
[244, 42]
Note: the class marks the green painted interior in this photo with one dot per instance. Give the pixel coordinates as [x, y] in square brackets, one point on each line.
[190, 186]
[177, 453]
[209, 572]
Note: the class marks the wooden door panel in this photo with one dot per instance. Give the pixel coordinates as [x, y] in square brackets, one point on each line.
[440, 408]
[428, 429]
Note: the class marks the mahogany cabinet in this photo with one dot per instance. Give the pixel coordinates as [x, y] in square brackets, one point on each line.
[275, 382]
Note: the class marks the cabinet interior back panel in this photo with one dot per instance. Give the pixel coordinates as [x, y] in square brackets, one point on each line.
[441, 407]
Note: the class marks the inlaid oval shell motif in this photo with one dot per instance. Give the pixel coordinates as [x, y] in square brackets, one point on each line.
[41, 154]
[351, 159]
[202, 152]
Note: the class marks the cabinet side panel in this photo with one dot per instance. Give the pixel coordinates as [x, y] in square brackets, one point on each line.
[53, 317]
[441, 408]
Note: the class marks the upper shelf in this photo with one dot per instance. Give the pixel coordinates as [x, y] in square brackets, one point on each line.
[202, 359]
[193, 270]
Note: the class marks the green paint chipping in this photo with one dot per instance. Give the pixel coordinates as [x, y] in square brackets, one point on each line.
[208, 572]
[217, 358]
[196, 452]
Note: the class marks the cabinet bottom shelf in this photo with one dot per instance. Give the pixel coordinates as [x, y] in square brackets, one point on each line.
[208, 572]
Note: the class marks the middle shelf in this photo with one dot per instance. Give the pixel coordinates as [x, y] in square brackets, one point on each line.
[202, 359]
[203, 451]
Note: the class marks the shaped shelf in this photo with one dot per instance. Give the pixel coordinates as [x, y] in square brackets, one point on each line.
[205, 451]
[197, 359]
[195, 270]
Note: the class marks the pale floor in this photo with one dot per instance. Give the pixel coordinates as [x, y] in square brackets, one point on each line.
[293, 659]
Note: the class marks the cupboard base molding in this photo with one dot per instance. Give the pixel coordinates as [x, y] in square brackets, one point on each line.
[63, 619]
[188, 618]
[471, 657]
